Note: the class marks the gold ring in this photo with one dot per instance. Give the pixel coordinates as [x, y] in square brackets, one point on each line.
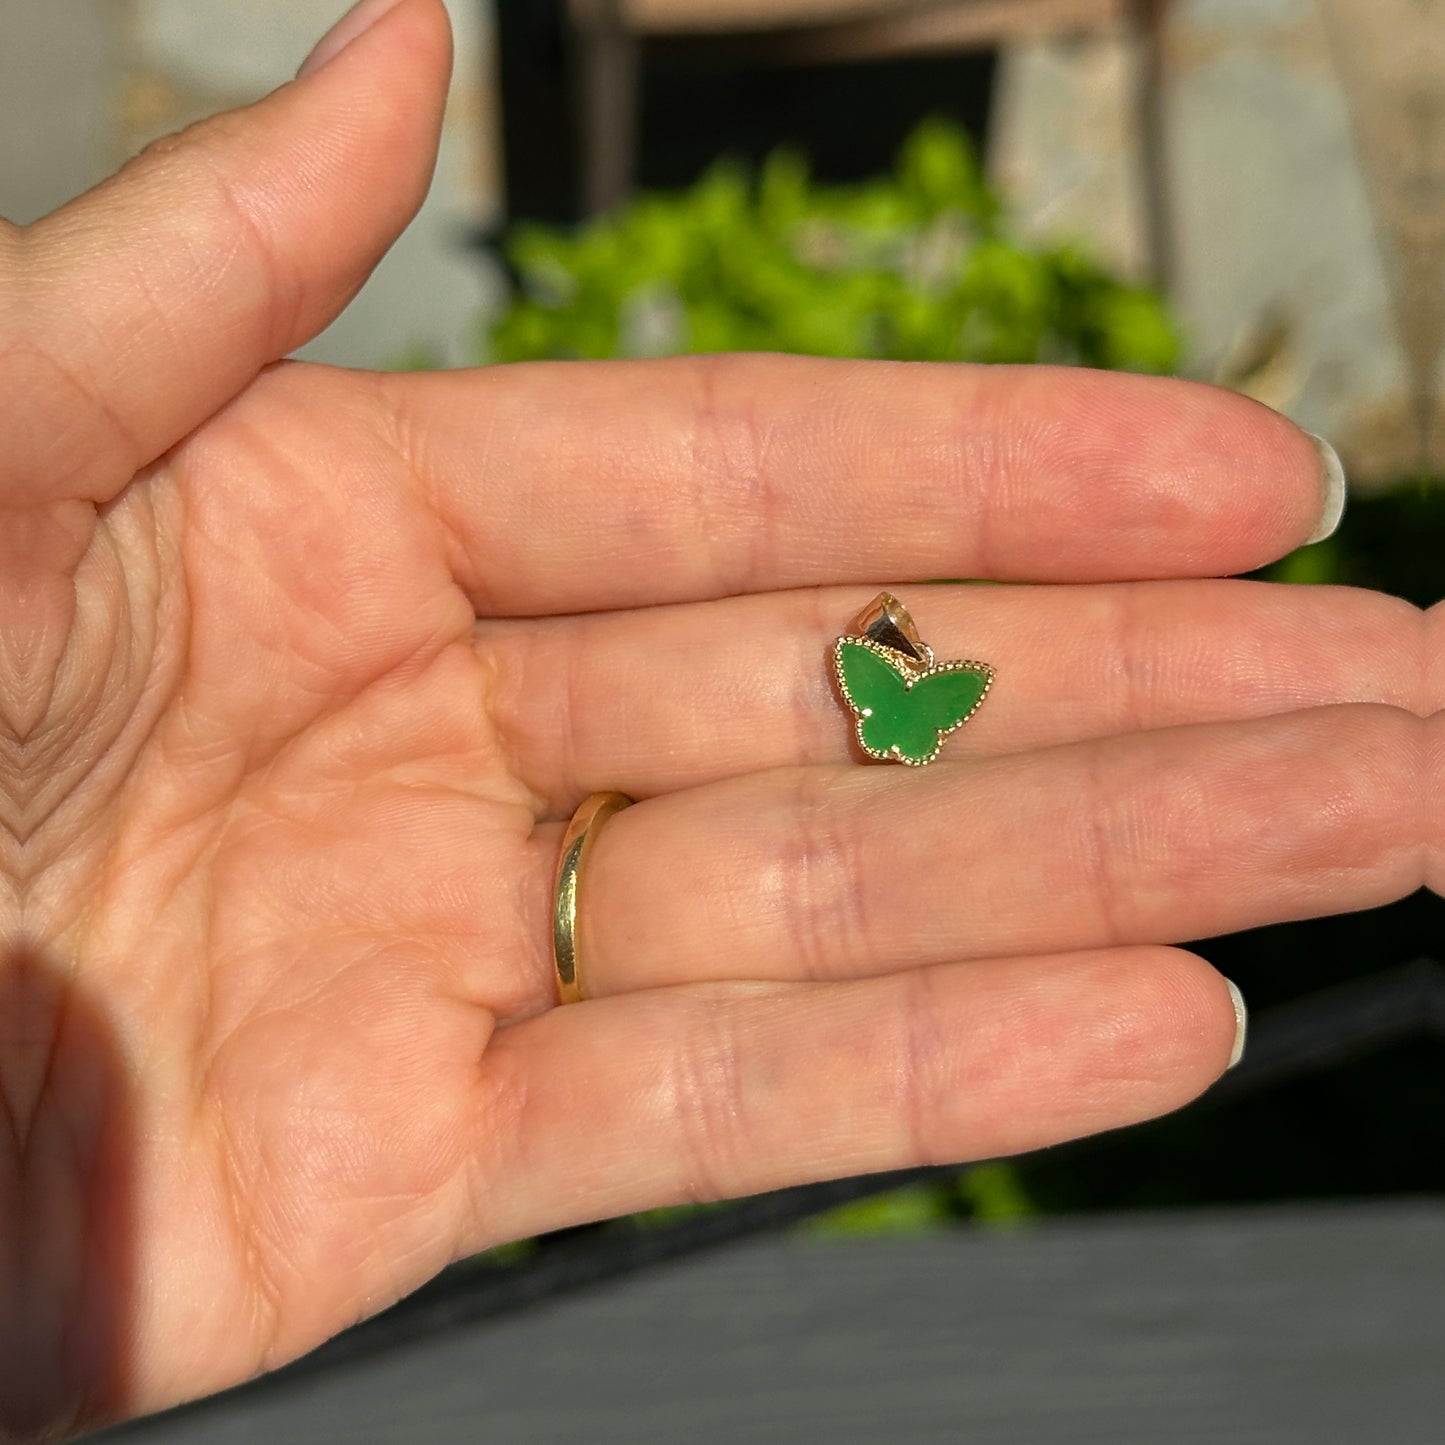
[577, 843]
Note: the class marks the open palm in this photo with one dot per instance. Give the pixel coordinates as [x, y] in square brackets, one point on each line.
[304, 671]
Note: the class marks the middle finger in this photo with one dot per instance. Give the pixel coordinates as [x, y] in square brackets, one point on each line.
[657, 699]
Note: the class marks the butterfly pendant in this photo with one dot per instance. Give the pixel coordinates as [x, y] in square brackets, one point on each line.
[904, 702]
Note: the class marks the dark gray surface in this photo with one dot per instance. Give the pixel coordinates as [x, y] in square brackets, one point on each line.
[1277, 1326]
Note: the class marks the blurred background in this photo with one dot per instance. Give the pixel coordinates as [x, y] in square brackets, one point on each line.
[1250, 192]
[1277, 164]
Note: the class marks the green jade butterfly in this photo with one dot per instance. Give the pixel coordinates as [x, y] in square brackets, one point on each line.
[903, 709]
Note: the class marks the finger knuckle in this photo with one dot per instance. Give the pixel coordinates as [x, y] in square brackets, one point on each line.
[828, 902]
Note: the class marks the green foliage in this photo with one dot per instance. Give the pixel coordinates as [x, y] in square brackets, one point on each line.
[503, 1256]
[997, 1194]
[419, 357]
[663, 1217]
[990, 1194]
[916, 1209]
[920, 265]
[1312, 565]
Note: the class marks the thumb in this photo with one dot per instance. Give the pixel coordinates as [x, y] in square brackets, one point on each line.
[133, 314]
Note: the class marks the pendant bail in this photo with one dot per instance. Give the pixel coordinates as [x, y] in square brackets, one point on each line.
[886, 621]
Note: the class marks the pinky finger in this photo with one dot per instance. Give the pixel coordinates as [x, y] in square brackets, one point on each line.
[715, 1091]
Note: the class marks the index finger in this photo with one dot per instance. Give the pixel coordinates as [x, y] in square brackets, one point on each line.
[571, 486]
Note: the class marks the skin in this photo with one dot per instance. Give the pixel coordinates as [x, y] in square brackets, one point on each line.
[302, 672]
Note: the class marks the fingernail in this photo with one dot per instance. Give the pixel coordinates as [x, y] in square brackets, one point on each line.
[355, 23]
[1241, 1024]
[1332, 489]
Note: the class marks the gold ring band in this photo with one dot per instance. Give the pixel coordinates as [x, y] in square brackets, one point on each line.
[577, 843]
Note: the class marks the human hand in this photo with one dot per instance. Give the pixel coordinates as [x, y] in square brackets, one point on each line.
[302, 672]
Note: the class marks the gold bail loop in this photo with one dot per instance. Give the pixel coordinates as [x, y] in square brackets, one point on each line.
[886, 621]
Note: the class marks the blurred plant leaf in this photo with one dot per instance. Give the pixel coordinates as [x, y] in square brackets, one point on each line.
[1319, 563]
[418, 357]
[915, 1209]
[996, 1194]
[919, 265]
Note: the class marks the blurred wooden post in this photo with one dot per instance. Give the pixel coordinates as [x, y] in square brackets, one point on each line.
[1149, 17]
[608, 80]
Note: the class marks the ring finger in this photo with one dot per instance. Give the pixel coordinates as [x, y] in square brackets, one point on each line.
[1157, 837]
